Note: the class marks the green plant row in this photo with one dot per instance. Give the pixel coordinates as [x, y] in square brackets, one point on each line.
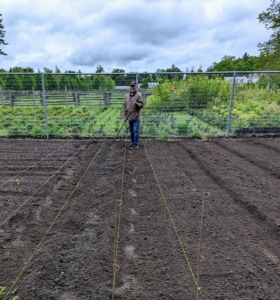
[254, 105]
[96, 121]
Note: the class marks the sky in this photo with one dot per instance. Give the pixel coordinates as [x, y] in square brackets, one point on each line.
[138, 35]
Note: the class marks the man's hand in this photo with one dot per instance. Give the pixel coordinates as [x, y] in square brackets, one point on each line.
[135, 103]
[125, 118]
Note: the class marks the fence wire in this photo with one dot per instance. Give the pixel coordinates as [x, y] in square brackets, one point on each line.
[176, 104]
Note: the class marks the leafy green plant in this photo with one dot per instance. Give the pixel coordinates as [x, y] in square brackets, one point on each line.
[183, 128]
[196, 134]
[17, 181]
[3, 292]
[164, 137]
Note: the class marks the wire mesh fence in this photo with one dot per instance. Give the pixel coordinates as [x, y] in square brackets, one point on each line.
[176, 104]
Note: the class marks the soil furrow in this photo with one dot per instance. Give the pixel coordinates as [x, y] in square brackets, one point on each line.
[240, 232]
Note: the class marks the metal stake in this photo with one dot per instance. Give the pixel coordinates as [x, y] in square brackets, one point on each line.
[100, 96]
[33, 95]
[76, 99]
[2, 96]
[66, 99]
[230, 104]
[45, 105]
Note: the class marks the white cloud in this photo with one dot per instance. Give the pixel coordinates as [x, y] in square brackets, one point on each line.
[135, 35]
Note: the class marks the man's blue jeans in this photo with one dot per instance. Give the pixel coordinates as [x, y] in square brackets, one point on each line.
[134, 128]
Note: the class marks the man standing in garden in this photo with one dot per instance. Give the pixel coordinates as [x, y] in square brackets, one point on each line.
[132, 105]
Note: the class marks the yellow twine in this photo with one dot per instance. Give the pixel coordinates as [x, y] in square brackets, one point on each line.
[172, 220]
[52, 224]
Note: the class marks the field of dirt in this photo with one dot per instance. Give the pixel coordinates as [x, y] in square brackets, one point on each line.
[58, 239]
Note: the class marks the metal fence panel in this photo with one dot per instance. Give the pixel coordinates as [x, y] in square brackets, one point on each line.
[176, 104]
[256, 104]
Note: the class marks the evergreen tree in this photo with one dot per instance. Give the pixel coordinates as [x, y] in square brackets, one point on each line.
[2, 35]
[2, 82]
[16, 70]
[28, 82]
[13, 83]
[245, 57]
[99, 69]
[51, 82]
[46, 70]
[28, 70]
[63, 83]
[57, 70]
[72, 83]
[38, 82]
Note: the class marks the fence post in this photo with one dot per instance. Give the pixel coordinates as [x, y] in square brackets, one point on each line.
[33, 95]
[76, 99]
[230, 104]
[45, 105]
[100, 95]
[137, 78]
[11, 101]
[66, 99]
[2, 96]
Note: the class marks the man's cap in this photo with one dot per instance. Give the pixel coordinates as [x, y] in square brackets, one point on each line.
[132, 83]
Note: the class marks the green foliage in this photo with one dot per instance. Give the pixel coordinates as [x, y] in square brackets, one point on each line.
[63, 83]
[231, 63]
[2, 35]
[38, 82]
[2, 82]
[99, 69]
[3, 292]
[51, 82]
[13, 83]
[164, 137]
[105, 82]
[28, 82]
[196, 134]
[196, 92]
[57, 81]
[254, 105]
[271, 48]
[263, 82]
[183, 129]
[224, 65]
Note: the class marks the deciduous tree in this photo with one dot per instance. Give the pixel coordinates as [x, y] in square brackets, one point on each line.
[271, 20]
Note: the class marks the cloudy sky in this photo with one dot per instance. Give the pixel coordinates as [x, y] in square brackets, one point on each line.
[135, 35]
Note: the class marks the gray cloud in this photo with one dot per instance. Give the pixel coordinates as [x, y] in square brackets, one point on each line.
[138, 35]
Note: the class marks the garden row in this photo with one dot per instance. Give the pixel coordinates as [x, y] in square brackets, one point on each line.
[97, 121]
[254, 105]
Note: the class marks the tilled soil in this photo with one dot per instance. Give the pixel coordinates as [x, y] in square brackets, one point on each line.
[240, 244]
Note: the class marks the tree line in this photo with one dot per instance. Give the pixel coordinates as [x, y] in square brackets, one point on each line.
[55, 82]
[71, 80]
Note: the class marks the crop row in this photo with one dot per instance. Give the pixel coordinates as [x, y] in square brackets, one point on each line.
[97, 121]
